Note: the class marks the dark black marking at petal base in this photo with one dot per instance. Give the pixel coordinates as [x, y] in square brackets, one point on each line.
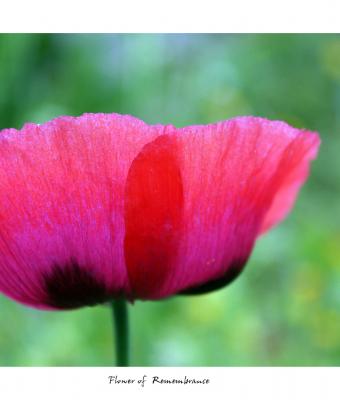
[71, 286]
[233, 272]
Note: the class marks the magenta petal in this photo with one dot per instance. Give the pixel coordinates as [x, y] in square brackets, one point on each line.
[61, 208]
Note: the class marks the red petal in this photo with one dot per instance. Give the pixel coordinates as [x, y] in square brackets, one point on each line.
[153, 214]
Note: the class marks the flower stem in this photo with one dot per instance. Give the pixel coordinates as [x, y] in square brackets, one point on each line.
[121, 328]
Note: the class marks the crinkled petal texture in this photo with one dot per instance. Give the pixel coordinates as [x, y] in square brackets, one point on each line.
[62, 224]
[215, 189]
[104, 206]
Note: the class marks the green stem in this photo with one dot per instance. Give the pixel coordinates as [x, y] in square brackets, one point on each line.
[121, 327]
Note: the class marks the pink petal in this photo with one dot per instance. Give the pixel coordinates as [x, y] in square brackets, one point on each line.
[291, 175]
[61, 208]
[234, 176]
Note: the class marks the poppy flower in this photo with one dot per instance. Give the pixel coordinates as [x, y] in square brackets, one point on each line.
[104, 206]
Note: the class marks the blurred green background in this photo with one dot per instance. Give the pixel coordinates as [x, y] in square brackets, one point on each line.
[285, 308]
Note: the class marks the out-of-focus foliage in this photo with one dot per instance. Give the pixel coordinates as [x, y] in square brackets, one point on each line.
[285, 308]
